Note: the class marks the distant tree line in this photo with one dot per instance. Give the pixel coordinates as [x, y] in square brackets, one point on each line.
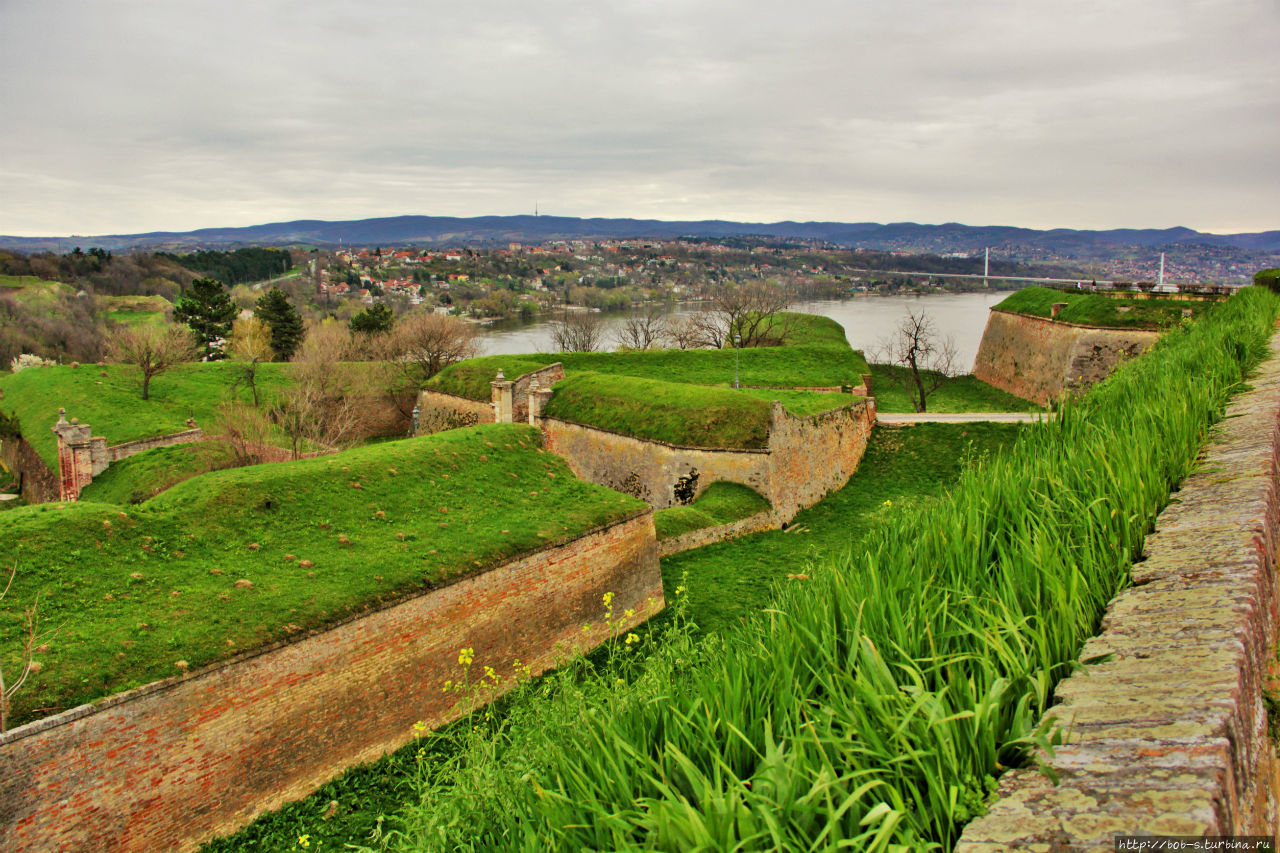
[238, 266]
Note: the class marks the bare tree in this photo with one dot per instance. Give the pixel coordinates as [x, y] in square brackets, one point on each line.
[422, 344]
[686, 332]
[577, 331]
[916, 357]
[31, 641]
[320, 405]
[154, 349]
[250, 346]
[642, 331]
[751, 311]
[246, 428]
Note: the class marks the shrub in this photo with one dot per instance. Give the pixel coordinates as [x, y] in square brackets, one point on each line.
[26, 359]
[1269, 278]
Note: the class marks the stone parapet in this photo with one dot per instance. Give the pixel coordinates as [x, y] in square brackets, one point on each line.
[1166, 716]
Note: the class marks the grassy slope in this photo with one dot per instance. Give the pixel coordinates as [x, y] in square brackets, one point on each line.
[721, 503]
[961, 394]
[902, 469]
[907, 467]
[695, 416]
[1091, 309]
[136, 591]
[136, 478]
[819, 357]
[113, 404]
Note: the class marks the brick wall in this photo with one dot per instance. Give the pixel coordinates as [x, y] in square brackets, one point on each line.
[39, 484]
[439, 411]
[123, 451]
[172, 764]
[718, 533]
[805, 459]
[1037, 359]
[1168, 727]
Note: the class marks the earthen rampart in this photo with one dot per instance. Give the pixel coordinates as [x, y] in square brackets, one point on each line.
[1166, 714]
[172, 764]
[1039, 359]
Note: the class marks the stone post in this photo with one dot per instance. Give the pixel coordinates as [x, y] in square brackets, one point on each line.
[538, 399]
[75, 456]
[502, 399]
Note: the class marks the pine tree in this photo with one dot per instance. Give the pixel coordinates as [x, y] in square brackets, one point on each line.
[209, 311]
[377, 319]
[283, 319]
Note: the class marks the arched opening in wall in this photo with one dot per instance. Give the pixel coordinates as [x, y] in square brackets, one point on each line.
[686, 487]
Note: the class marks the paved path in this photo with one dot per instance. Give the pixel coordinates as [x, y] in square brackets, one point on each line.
[903, 418]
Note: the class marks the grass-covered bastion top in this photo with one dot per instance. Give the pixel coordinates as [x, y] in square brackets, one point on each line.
[1109, 310]
[235, 559]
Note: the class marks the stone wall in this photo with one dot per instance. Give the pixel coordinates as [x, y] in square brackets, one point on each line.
[718, 533]
[544, 378]
[1038, 359]
[172, 764]
[117, 452]
[805, 459]
[438, 411]
[39, 484]
[1168, 726]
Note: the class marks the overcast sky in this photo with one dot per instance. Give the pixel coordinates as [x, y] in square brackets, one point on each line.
[122, 116]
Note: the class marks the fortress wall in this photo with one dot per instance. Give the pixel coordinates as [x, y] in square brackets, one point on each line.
[718, 533]
[1037, 358]
[438, 411]
[1168, 720]
[172, 764]
[806, 458]
[122, 451]
[39, 484]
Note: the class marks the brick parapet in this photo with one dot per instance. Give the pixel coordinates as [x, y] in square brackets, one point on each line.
[1167, 723]
[718, 533]
[171, 764]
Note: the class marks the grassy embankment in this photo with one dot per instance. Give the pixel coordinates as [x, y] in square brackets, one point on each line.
[136, 591]
[112, 403]
[877, 700]
[134, 479]
[726, 582]
[720, 503]
[959, 394]
[1096, 309]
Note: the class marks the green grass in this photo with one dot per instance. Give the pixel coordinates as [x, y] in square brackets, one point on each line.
[112, 403]
[819, 358]
[693, 416]
[136, 478]
[721, 503]
[802, 403]
[960, 394]
[1093, 309]
[21, 281]
[136, 590]
[728, 581]
[472, 378]
[903, 470]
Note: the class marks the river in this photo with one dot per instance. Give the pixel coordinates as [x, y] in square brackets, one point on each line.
[866, 320]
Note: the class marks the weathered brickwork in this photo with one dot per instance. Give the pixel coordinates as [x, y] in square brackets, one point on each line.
[116, 452]
[39, 484]
[719, 533]
[1168, 727]
[806, 458]
[438, 411]
[1038, 359]
[172, 764]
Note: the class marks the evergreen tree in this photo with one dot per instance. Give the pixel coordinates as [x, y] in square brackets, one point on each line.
[375, 320]
[209, 311]
[283, 319]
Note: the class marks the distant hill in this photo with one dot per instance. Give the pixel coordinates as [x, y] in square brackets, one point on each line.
[490, 230]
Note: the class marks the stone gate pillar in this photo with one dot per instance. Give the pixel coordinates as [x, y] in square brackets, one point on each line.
[502, 399]
[75, 456]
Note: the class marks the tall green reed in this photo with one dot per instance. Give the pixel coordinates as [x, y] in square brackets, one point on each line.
[872, 707]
